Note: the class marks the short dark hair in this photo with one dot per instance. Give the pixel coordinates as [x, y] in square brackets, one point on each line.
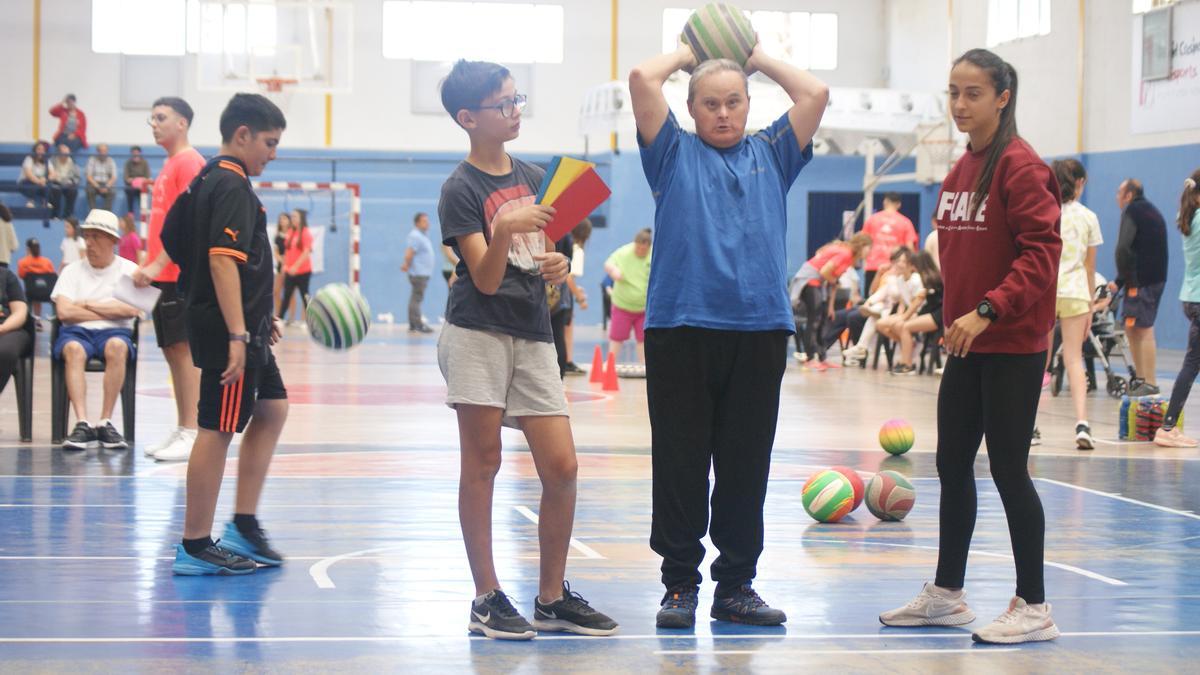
[469, 82]
[34, 246]
[135, 147]
[253, 111]
[893, 197]
[419, 215]
[178, 105]
[70, 97]
[1134, 187]
[5, 214]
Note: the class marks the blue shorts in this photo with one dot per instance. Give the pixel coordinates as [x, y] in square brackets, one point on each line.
[92, 341]
[1141, 305]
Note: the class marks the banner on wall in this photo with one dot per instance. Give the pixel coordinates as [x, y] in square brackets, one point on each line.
[1169, 104]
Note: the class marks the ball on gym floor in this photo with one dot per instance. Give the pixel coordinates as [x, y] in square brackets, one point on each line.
[896, 436]
[856, 482]
[890, 496]
[828, 496]
[719, 30]
[338, 316]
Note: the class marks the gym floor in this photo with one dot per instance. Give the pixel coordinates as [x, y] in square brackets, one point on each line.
[362, 500]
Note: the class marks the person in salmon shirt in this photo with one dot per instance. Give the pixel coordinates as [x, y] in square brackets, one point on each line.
[998, 221]
[297, 261]
[170, 120]
[815, 286]
[889, 229]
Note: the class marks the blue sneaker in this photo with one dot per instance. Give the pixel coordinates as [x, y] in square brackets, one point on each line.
[212, 560]
[253, 546]
[678, 607]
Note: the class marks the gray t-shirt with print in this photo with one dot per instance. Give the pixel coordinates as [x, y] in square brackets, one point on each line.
[471, 202]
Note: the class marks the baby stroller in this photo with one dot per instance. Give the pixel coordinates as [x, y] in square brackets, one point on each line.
[1105, 339]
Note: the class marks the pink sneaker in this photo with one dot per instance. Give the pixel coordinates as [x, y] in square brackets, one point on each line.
[1173, 439]
[819, 366]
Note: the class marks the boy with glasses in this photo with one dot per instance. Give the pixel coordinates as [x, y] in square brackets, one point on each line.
[497, 351]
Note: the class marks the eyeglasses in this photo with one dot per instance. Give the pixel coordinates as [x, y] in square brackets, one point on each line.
[508, 107]
[156, 119]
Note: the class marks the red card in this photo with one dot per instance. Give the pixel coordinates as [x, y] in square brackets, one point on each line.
[576, 203]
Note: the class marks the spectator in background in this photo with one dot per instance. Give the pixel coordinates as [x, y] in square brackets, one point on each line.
[137, 173]
[562, 306]
[1188, 219]
[130, 246]
[14, 310]
[449, 265]
[34, 181]
[418, 264]
[1141, 257]
[64, 183]
[888, 229]
[8, 236]
[73, 245]
[94, 324]
[72, 124]
[101, 178]
[37, 272]
[815, 286]
[579, 236]
[931, 242]
[629, 268]
[283, 225]
[297, 260]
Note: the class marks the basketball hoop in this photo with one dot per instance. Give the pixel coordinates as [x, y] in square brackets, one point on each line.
[278, 89]
[936, 150]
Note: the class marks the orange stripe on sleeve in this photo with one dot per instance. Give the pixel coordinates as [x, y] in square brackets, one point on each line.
[231, 252]
[232, 166]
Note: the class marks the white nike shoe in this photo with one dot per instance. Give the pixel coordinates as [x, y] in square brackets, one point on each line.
[934, 606]
[1021, 623]
[149, 450]
[180, 449]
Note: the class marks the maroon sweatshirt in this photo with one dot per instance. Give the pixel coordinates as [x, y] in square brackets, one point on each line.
[1008, 253]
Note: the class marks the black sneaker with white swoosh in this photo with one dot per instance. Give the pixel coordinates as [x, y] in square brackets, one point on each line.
[495, 617]
[571, 614]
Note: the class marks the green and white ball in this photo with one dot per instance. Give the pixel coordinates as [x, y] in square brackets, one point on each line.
[828, 496]
[337, 316]
[719, 30]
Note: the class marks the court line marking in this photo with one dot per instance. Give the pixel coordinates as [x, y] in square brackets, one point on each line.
[319, 571]
[583, 548]
[964, 635]
[1119, 497]
[1062, 566]
[102, 558]
[828, 652]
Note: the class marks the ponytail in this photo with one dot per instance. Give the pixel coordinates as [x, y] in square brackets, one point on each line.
[1004, 78]
[1068, 172]
[1187, 202]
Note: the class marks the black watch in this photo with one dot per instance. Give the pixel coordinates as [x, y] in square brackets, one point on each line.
[986, 310]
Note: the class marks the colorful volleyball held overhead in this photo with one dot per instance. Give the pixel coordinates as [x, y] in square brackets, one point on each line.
[719, 30]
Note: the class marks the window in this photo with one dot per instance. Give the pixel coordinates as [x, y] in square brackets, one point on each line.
[1142, 6]
[235, 28]
[140, 27]
[807, 40]
[1015, 19]
[446, 31]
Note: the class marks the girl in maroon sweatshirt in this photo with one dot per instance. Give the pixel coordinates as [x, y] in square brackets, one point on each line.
[998, 234]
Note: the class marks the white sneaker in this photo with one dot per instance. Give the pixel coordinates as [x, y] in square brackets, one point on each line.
[1021, 623]
[180, 449]
[1173, 439]
[150, 450]
[934, 606]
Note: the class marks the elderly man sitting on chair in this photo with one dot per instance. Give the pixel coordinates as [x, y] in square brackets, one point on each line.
[95, 324]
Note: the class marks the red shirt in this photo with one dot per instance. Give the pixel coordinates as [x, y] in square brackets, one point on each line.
[60, 111]
[176, 174]
[296, 244]
[1008, 253]
[889, 230]
[841, 256]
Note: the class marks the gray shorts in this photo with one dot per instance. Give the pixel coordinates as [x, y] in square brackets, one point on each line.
[501, 371]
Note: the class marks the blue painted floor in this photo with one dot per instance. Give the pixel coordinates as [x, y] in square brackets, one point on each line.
[362, 501]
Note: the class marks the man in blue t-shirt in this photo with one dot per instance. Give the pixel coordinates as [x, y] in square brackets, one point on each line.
[717, 316]
[418, 263]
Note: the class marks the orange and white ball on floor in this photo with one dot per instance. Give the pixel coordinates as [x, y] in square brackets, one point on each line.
[890, 496]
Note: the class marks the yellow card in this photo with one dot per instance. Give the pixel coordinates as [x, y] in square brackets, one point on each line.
[568, 170]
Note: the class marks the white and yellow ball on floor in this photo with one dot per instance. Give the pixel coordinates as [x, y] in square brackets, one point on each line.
[338, 317]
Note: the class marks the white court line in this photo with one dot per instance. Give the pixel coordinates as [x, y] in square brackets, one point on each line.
[1062, 566]
[1119, 497]
[583, 548]
[320, 570]
[560, 638]
[827, 652]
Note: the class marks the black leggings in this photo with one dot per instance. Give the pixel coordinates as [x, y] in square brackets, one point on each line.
[992, 396]
[814, 300]
[12, 345]
[291, 283]
[1191, 366]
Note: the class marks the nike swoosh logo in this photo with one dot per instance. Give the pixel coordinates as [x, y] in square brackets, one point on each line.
[549, 614]
[483, 618]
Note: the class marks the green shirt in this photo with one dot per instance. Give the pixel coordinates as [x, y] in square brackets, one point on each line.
[629, 293]
[1191, 261]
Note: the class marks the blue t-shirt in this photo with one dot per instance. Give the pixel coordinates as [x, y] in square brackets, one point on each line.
[422, 261]
[1191, 263]
[720, 228]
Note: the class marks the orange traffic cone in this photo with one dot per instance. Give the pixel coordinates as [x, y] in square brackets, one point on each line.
[610, 374]
[597, 374]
